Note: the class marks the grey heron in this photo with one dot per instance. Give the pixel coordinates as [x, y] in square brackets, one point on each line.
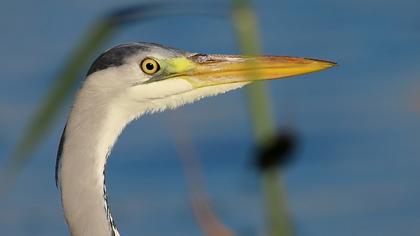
[126, 82]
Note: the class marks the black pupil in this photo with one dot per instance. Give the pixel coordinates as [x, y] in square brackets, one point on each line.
[150, 66]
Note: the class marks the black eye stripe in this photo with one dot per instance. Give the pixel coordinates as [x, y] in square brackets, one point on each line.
[115, 57]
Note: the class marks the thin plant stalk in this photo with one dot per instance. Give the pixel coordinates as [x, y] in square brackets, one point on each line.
[258, 96]
[209, 222]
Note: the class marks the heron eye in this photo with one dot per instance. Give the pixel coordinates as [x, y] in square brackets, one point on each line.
[149, 66]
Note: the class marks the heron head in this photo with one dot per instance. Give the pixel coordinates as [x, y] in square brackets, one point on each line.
[159, 77]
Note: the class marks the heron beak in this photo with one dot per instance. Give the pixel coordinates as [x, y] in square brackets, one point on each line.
[206, 70]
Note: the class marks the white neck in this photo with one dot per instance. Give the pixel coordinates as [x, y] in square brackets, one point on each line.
[99, 114]
[92, 129]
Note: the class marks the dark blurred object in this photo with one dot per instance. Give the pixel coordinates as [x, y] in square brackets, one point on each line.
[277, 152]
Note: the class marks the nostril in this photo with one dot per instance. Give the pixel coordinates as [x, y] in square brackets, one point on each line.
[199, 58]
[203, 58]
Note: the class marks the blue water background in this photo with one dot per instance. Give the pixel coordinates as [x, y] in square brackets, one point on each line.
[357, 166]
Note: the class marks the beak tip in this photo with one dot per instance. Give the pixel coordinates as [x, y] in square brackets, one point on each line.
[333, 64]
[327, 64]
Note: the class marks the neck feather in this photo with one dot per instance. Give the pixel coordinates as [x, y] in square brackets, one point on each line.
[91, 131]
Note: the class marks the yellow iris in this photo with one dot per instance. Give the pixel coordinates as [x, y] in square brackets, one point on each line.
[149, 66]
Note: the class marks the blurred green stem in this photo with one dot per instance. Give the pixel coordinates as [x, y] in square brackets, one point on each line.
[64, 86]
[258, 95]
[278, 217]
[45, 115]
